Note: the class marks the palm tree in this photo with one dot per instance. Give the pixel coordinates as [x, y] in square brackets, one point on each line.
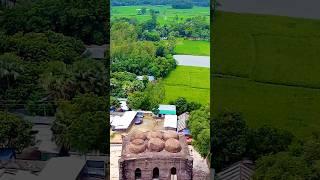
[10, 68]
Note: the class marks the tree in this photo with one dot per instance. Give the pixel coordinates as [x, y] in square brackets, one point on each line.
[80, 19]
[10, 69]
[86, 115]
[199, 124]
[182, 4]
[14, 132]
[57, 81]
[143, 10]
[267, 140]
[114, 102]
[229, 133]
[89, 131]
[282, 166]
[183, 105]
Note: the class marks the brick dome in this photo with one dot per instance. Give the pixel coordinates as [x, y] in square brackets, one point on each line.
[172, 145]
[155, 145]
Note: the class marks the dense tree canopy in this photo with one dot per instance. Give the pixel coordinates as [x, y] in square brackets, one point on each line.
[81, 124]
[83, 19]
[199, 124]
[14, 132]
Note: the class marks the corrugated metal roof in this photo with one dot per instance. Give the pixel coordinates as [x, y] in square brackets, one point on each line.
[242, 170]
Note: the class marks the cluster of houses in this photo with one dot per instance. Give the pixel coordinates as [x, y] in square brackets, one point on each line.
[123, 120]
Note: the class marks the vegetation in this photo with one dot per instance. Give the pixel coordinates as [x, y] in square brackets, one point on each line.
[80, 124]
[193, 83]
[14, 132]
[158, 2]
[143, 43]
[166, 15]
[260, 70]
[182, 4]
[184, 46]
[199, 124]
[43, 70]
[301, 161]
[85, 20]
[233, 140]
[182, 105]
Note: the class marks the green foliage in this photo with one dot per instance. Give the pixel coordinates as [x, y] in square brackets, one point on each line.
[199, 125]
[124, 83]
[267, 140]
[229, 133]
[149, 99]
[80, 123]
[182, 4]
[14, 132]
[114, 102]
[38, 47]
[166, 15]
[282, 166]
[85, 20]
[182, 105]
[38, 105]
[192, 47]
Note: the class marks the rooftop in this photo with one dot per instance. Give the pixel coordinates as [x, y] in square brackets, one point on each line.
[164, 144]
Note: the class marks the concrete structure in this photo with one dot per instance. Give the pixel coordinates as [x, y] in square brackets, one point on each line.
[170, 122]
[123, 122]
[162, 155]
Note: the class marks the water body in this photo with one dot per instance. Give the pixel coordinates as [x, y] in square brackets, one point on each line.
[291, 8]
[190, 60]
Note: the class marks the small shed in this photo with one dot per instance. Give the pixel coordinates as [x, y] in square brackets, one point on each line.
[167, 109]
[182, 121]
[170, 122]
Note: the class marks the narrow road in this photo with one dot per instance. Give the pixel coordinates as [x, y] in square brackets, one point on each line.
[190, 60]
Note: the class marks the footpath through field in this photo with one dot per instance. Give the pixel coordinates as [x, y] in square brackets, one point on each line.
[190, 60]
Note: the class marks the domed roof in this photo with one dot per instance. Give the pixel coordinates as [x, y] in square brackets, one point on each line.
[138, 141]
[138, 135]
[155, 144]
[137, 148]
[170, 134]
[155, 134]
[172, 145]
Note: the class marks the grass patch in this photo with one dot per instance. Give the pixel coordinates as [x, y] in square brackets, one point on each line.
[190, 47]
[193, 83]
[167, 13]
[277, 68]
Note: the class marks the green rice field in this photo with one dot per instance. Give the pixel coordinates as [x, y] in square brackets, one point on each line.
[268, 68]
[166, 13]
[192, 47]
[193, 83]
